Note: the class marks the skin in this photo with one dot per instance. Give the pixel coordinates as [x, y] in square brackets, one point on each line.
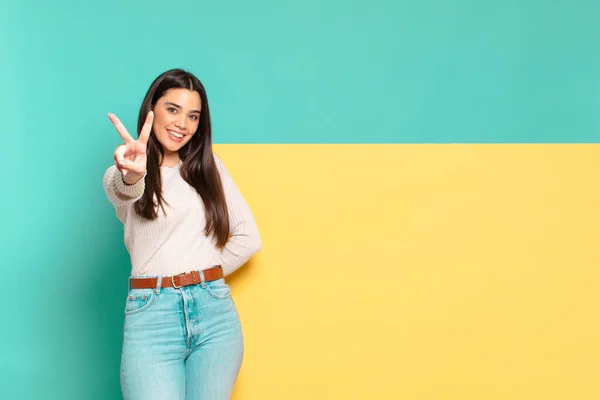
[176, 112]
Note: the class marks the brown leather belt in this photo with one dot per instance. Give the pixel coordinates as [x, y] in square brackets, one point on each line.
[177, 281]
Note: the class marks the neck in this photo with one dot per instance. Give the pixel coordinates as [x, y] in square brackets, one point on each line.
[170, 159]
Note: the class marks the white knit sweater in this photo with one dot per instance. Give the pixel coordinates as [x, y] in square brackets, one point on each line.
[175, 243]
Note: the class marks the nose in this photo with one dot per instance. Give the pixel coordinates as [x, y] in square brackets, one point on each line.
[180, 122]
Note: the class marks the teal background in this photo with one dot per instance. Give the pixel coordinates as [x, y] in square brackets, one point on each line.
[275, 72]
[384, 71]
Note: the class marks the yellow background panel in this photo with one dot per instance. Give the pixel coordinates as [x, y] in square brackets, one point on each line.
[420, 271]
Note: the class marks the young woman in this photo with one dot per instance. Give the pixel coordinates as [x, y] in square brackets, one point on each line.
[186, 227]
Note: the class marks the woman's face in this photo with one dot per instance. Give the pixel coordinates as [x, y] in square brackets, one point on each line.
[176, 118]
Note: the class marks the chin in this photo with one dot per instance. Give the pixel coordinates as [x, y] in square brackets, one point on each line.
[173, 146]
[169, 149]
[169, 146]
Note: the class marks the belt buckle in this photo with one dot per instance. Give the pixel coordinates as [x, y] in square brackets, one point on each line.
[173, 280]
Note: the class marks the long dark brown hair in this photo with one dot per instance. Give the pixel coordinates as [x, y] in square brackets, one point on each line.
[199, 169]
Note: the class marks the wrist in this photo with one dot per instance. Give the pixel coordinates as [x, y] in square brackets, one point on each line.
[131, 179]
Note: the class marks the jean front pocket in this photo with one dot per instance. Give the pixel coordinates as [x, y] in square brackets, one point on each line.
[218, 289]
[138, 300]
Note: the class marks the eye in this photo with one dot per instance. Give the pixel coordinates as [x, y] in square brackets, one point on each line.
[194, 117]
[172, 110]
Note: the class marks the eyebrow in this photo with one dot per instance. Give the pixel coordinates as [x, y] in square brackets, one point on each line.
[179, 107]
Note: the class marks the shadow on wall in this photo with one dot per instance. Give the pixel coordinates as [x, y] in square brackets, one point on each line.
[100, 302]
[238, 281]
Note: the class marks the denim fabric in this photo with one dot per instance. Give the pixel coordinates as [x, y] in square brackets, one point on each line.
[181, 343]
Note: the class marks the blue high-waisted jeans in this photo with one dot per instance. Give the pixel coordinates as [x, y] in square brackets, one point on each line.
[181, 343]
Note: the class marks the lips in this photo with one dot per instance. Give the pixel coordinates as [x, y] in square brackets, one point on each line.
[175, 136]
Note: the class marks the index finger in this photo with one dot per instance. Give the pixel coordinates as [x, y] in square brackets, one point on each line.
[120, 128]
[145, 133]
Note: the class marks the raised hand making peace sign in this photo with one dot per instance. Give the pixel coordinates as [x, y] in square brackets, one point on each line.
[130, 157]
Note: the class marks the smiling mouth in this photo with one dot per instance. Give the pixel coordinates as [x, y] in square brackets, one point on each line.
[175, 135]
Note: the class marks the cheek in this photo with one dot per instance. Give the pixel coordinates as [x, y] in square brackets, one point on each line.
[192, 126]
[161, 120]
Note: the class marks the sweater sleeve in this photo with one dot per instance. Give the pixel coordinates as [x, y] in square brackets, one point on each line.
[120, 194]
[245, 240]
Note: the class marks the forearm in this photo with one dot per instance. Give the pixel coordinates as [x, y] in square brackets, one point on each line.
[245, 240]
[131, 178]
[119, 192]
[240, 247]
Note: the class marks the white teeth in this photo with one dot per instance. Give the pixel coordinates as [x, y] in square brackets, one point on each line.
[177, 135]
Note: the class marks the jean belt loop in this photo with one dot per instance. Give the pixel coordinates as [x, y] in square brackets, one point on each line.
[202, 279]
[158, 284]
